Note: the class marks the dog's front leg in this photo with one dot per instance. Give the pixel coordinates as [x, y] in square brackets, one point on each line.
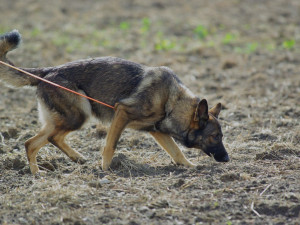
[118, 124]
[171, 147]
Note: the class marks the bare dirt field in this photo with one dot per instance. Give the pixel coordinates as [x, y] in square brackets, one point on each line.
[242, 53]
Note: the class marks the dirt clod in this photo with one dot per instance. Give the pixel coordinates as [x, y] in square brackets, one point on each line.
[230, 177]
[229, 64]
[46, 166]
[18, 163]
[179, 183]
[95, 184]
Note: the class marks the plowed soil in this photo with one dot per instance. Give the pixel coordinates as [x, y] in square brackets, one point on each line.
[244, 54]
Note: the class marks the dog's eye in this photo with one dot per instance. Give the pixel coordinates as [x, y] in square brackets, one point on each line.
[217, 137]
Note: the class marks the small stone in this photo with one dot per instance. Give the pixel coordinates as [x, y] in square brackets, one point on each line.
[104, 181]
[179, 183]
[143, 209]
[230, 177]
[12, 132]
[95, 184]
[229, 64]
[18, 164]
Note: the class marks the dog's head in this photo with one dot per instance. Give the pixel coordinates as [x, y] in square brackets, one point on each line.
[205, 132]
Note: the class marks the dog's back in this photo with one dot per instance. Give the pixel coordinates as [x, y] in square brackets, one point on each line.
[108, 79]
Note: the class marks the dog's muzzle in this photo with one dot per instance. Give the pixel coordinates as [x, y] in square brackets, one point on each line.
[219, 153]
[223, 158]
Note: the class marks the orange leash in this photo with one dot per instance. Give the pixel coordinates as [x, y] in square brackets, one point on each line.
[57, 85]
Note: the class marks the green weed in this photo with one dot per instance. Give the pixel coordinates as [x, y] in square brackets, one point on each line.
[124, 25]
[216, 204]
[270, 47]
[247, 49]
[201, 32]
[66, 42]
[288, 44]
[164, 44]
[35, 32]
[251, 47]
[229, 38]
[146, 23]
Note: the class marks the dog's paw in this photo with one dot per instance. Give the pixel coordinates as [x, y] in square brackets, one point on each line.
[191, 165]
[78, 159]
[105, 165]
[186, 164]
[81, 160]
[34, 168]
[40, 174]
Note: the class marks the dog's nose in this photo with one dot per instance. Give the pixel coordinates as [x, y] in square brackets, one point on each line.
[226, 158]
[222, 158]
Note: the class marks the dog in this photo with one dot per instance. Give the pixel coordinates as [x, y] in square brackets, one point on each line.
[151, 99]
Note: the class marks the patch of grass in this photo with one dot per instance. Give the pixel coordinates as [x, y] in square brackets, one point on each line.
[216, 204]
[163, 43]
[211, 44]
[229, 38]
[288, 44]
[270, 47]
[124, 25]
[4, 29]
[73, 46]
[70, 44]
[248, 48]
[146, 23]
[35, 32]
[251, 47]
[61, 40]
[201, 32]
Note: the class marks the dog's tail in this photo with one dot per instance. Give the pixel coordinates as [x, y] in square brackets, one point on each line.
[8, 42]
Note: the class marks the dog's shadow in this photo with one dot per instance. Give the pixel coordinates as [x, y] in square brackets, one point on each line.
[124, 167]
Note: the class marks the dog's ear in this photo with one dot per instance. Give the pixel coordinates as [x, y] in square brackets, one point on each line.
[215, 111]
[201, 113]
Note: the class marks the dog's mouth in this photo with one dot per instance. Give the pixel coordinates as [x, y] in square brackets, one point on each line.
[218, 157]
[208, 153]
[222, 158]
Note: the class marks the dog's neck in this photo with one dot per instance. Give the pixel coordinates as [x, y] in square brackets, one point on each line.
[179, 113]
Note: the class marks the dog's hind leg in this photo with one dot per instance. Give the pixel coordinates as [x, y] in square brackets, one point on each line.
[118, 124]
[34, 144]
[169, 145]
[61, 113]
[57, 138]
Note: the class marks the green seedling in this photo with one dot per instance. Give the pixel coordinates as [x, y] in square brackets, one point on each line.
[271, 47]
[145, 25]
[288, 44]
[251, 47]
[201, 32]
[164, 44]
[229, 38]
[35, 32]
[124, 25]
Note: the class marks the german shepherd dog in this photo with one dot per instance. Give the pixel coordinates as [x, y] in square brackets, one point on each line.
[150, 99]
